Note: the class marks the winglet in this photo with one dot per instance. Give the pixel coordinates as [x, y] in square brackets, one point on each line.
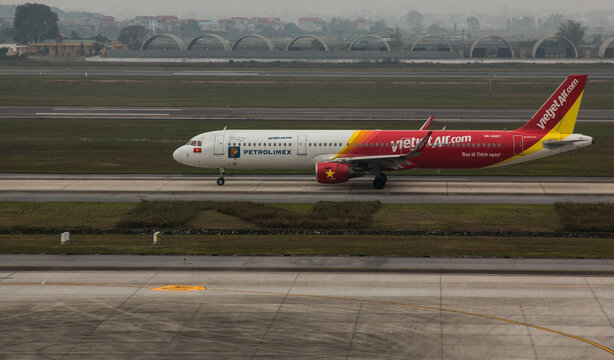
[420, 147]
[428, 122]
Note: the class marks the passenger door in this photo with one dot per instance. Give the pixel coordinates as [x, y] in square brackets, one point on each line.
[302, 145]
[218, 146]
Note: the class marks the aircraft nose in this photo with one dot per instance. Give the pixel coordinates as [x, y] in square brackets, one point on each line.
[178, 154]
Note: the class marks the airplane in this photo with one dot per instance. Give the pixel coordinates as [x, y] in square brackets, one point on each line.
[339, 155]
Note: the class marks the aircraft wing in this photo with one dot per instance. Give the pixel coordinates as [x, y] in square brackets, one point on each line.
[395, 161]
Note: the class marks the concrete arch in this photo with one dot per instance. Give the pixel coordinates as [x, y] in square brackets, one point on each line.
[320, 40]
[475, 43]
[428, 37]
[176, 39]
[539, 43]
[266, 41]
[369, 36]
[604, 46]
[225, 43]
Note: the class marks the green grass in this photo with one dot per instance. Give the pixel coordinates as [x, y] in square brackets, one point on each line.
[418, 246]
[425, 217]
[146, 146]
[586, 217]
[289, 92]
[61, 215]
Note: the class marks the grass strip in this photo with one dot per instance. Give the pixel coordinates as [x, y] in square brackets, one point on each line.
[266, 91]
[146, 146]
[586, 217]
[371, 215]
[359, 245]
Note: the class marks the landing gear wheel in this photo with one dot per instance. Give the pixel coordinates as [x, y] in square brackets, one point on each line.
[384, 176]
[379, 182]
[221, 180]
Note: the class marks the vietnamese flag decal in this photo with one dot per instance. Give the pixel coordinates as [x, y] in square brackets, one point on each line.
[197, 150]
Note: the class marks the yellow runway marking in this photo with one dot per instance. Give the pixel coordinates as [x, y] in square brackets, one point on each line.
[179, 288]
[422, 307]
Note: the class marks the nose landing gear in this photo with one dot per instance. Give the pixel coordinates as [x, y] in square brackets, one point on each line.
[221, 180]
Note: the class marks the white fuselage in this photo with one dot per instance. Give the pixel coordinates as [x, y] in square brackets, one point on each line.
[263, 149]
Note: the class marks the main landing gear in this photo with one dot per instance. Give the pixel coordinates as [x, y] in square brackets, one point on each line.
[221, 180]
[380, 181]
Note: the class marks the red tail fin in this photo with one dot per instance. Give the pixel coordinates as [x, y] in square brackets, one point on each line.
[558, 105]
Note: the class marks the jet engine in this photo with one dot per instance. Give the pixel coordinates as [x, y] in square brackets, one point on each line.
[334, 173]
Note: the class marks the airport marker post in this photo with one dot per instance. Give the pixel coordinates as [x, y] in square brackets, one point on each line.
[156, 237]
[64, 237]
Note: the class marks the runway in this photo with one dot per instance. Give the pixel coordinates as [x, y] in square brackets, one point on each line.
[310, 73]
[301, 189]
[190, 314]
[287, 114]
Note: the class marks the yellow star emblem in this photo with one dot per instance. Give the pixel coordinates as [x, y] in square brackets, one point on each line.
[329, 173]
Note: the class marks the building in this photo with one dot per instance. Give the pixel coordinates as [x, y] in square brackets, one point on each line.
[63, 48]
[150, 22]
[262, 22]
[208, 25]
[363, 24]
[310, 24]
[14, 49]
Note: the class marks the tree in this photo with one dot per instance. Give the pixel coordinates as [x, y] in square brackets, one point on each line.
[415, 19]
[394, 37]
[133, 36]
[190, 29]
[290, 29]
[268, 31]
[473, 23]
[379, 27]
[4, 53]
[436, 29]
[35, 22]
[75, 36]
[572, 30]
[552, 22]
[521, 23]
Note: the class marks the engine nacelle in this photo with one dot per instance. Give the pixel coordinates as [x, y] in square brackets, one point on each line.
[334, 173]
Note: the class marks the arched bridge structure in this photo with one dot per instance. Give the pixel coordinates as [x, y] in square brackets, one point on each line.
[225, 43]
[479, 40]
[605, 45]
[180, 43]
[417, 42]
[268, 42]
[539, 43]
[369, 36]
[320, 40]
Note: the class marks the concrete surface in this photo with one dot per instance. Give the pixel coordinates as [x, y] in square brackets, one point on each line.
[304, 189]
[305, 263]
[363, 117]
[304, 315]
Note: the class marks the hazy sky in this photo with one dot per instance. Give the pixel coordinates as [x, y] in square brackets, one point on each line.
[324, 8]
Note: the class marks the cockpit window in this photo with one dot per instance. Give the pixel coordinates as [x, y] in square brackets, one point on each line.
[195, 143]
